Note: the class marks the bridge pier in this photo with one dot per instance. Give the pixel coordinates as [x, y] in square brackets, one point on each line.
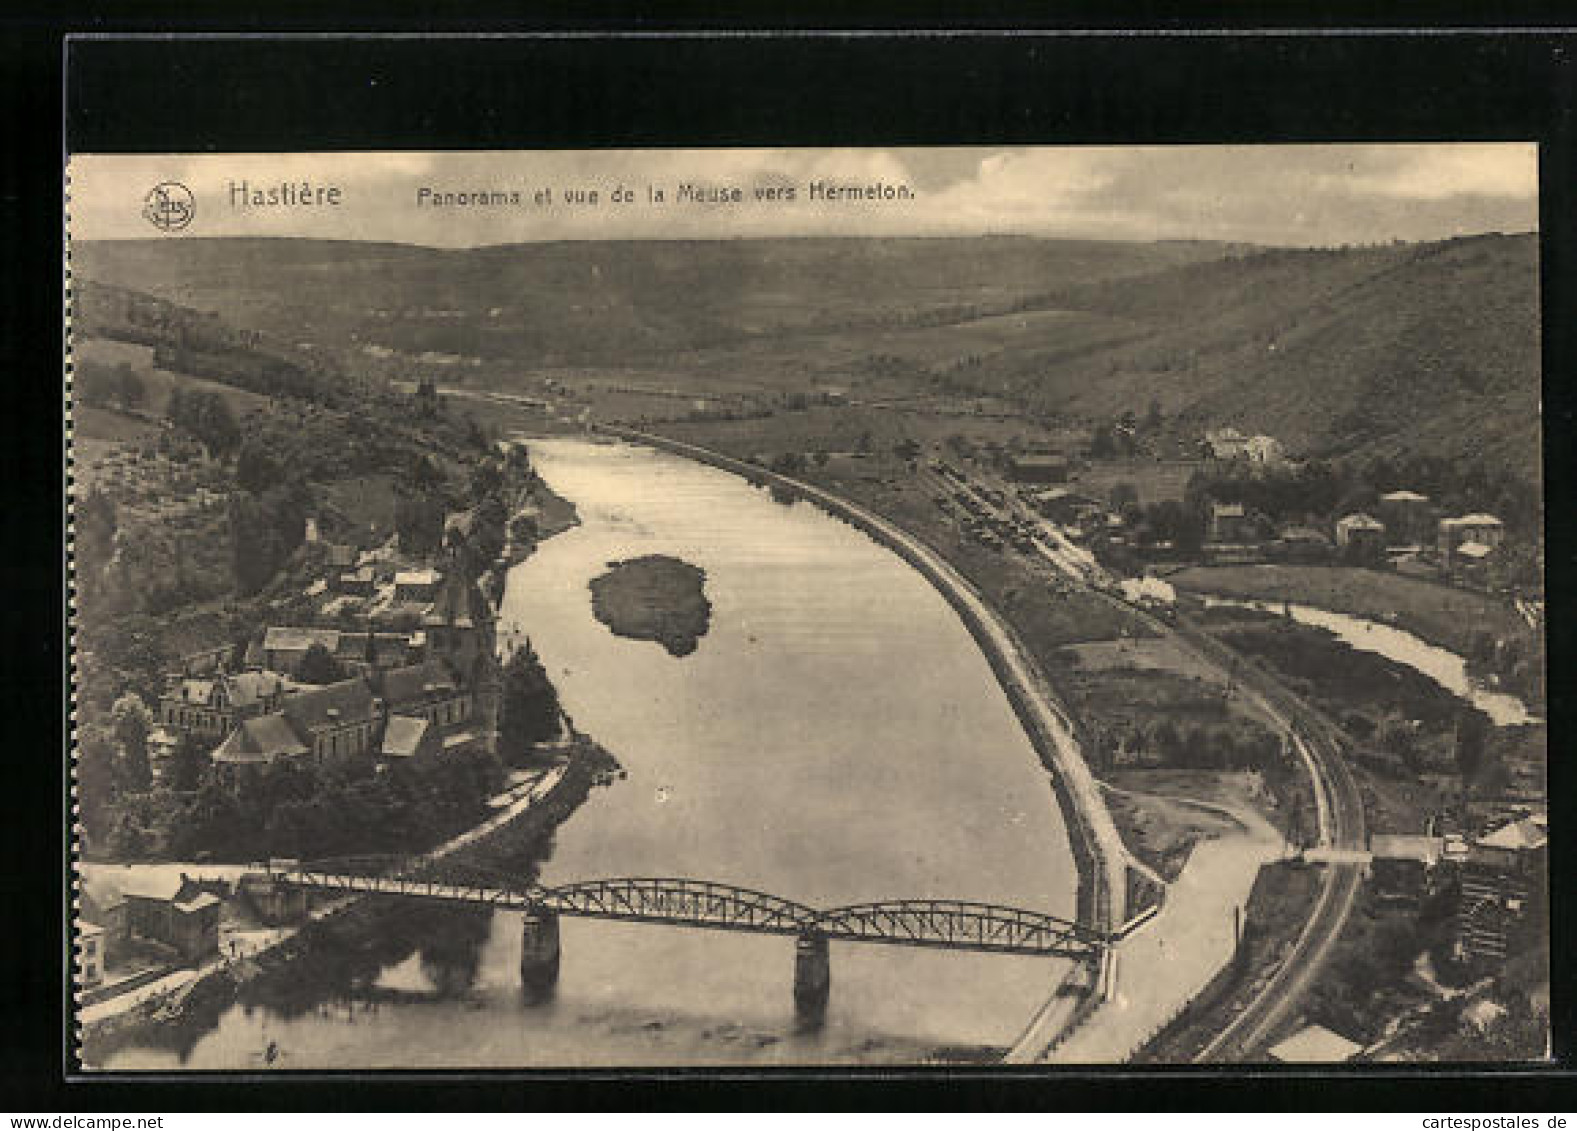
[539, 954]
[812, 977]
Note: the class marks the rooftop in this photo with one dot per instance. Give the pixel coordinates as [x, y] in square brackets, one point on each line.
[1315, 1045]
[292, 639]
[420, 577]
[405, 685]
[259, 740]
[335, 704]
[403, 736]
[1403, 497]
[1360, 521]
[1522, 835]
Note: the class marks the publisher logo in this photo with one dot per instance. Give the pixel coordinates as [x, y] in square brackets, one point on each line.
[170, 206]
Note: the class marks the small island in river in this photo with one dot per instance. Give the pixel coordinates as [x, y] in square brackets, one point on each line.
[655, 597]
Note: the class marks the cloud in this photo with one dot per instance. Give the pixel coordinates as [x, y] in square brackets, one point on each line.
[1305, 194]
[1440, 173]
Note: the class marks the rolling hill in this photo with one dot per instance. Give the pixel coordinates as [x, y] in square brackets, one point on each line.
[1377, 350]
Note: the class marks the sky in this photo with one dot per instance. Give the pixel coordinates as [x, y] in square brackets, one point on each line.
[1299, 195]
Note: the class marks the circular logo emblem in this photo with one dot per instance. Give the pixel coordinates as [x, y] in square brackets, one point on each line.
[170, 206]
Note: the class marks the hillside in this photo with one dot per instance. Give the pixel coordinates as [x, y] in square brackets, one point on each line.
[605, 303]
[1430, 348]
[1390, 350]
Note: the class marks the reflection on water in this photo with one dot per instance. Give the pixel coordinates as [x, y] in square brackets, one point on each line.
[1443, 666]
[837, 737]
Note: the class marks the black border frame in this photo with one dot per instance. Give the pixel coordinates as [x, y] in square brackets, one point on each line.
[585, 85]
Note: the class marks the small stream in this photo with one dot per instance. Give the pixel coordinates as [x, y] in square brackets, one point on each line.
[1442, 665]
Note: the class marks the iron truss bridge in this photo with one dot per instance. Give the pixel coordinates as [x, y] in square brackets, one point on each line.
[942, 923]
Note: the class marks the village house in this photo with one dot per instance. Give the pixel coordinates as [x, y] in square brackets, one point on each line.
[1478, 534]
[359, 653]
[1263, 449]
[1225, 444]
[1404, 867]
[416, 586]
[283, 648]
[341, 557]
[1039, 468]
[90, 954]
[1229, 523]
[427, 690]
[361, 582]
[174, 911]
[1301, 544]
[326, 723]
[1504, 881]
[1361, 535]
[210, 707]
[1407, 515]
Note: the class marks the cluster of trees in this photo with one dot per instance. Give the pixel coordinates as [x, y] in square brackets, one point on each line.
[529, 711]
[246, 367]
[265, 529]
[1343, 679]
[1197, 746]
[207, 416]
[347, 807]
[1322, 490]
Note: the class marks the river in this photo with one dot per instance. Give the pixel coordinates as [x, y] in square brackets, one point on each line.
[836, 738]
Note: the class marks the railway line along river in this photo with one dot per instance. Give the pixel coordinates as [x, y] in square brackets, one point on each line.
[836, 737]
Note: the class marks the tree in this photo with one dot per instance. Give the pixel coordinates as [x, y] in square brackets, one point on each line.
[529, 711]
[863, 444]
[1152, 417]
[1103, 444]
[129, 389]
[1123, 496]
[131, 722]
[907, 450]
[255, 467]
[318, 666]
[96, 780]
[1472, 731]
[427, 403]
[186, 767]
[487, 477]
[92, 384]
[419, 521]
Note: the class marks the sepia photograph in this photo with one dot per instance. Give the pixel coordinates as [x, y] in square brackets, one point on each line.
[1031, 606]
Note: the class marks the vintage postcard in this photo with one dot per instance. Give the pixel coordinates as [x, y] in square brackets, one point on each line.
[1032, 606]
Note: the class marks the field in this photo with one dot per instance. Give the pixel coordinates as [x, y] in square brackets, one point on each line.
[1163, 831]
[364, 506]
[1440, 614]
[157, 383]
[1155, 480]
